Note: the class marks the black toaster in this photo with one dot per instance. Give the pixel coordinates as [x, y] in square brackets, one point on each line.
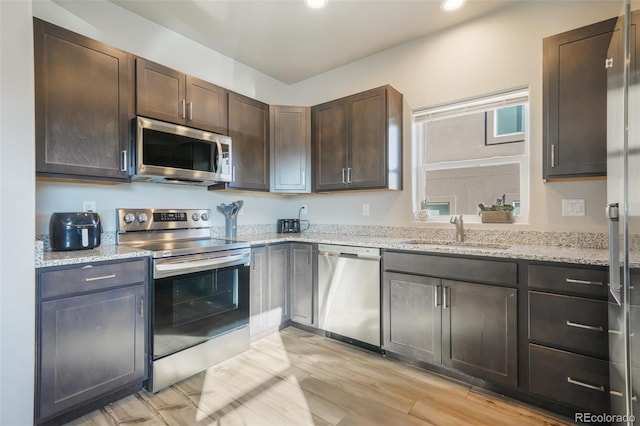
[74, 231]
[287, 226]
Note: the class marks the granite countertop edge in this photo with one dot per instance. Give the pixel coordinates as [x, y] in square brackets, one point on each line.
[582, 256]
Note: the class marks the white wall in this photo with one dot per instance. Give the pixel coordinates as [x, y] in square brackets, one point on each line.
[499, 51]
[17, 207]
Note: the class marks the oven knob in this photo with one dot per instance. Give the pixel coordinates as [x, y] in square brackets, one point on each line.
[129, 217]
[142, 218]
[205, 216]
[195, 217]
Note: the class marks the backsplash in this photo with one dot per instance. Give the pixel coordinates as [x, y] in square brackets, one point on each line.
[586, 240]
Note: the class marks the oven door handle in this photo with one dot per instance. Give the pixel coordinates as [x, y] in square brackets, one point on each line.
[168, 269]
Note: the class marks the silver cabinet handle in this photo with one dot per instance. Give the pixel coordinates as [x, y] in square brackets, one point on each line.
[553, 155]
[436, 298]
[574, 281]
[584, 385]
[183, 107]
[584, 326]
[446, 295]
[123, 160]
[616, 393]
[190, 109]
[142, 305]
[344, 179]
[348, 174]
[104, 277]
[233, 174]
[619, 333]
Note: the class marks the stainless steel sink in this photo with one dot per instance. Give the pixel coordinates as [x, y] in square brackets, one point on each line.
[470, 244]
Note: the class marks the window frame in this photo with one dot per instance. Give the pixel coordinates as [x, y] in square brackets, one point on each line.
[421, 117]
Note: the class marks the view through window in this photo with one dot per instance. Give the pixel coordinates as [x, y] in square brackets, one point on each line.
[471, 153]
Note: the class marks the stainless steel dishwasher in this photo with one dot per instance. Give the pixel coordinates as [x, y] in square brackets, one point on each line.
[349, 292]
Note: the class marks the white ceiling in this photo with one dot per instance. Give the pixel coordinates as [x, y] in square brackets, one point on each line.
[289, 42]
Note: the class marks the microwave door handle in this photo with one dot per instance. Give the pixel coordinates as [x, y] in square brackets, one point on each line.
[217, 159]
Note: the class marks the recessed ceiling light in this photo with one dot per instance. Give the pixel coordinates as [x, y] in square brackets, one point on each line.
[451, 5]
[316, 4]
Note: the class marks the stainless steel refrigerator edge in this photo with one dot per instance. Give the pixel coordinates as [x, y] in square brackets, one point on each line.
[623, 209]
[349, 292]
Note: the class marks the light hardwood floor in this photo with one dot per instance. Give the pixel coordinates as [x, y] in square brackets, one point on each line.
[297, 378]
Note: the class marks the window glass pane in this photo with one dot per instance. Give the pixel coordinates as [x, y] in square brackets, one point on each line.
[509, 120]
[462, 138]
[467, 187]
[439, 209]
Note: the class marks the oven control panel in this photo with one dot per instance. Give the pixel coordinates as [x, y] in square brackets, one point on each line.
[129, 220]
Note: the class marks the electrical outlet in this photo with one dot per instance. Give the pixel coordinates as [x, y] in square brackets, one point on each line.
[573, 207]
[88, 206]
[365, 209]
[303, 209]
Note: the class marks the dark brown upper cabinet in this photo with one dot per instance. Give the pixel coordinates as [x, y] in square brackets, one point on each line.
[290, 149]
[575, 102]
[169, 95]
[83, 105]
[249, 131]
[357, 142]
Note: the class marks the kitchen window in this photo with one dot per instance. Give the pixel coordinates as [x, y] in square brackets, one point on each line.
[470, 153]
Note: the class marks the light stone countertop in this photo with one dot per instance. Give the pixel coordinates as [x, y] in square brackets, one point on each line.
[103, 252]
[580, 256]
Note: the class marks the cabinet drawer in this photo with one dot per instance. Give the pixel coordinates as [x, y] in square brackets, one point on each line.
[453, 268]
[91, 277]
[579, 281]
[577, 380]
[573, 323]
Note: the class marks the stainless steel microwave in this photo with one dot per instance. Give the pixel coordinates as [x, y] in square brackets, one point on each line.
[170, 153]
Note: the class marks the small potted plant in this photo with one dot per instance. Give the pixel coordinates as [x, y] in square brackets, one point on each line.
[500, 212]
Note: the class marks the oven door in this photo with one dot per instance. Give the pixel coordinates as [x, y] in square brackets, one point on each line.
[195, 300]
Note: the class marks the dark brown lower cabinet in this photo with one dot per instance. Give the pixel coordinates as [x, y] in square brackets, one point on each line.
[269, 295]
[479, 334]
[412, 316]
[302, 299]
[570, 378]
[91, 340]
[466, 326]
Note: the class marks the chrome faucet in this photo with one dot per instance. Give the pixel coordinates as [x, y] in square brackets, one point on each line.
[457, 221]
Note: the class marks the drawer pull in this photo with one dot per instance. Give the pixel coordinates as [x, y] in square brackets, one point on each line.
[572, 281]
[620, 394]
[584, 326]
[104, 277]
[584, 385]
[619, 333]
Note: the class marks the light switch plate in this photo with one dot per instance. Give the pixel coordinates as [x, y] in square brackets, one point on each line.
[573, 207]
[88, 206]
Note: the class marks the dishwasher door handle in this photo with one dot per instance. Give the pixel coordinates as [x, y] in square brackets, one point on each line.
[350, 255]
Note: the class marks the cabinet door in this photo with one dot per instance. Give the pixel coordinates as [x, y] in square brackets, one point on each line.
[206, 106]
[329, 145]
[575, 102]
[259, 280]
[249, 131]
[411, 312]
[290, 149]
[302, 283]
[479, 327]
[160, 92]
[83, 93]
[89, 346]
[367, 148]
[278, 302]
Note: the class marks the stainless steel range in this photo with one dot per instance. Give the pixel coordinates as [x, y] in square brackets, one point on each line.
[200, 292]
